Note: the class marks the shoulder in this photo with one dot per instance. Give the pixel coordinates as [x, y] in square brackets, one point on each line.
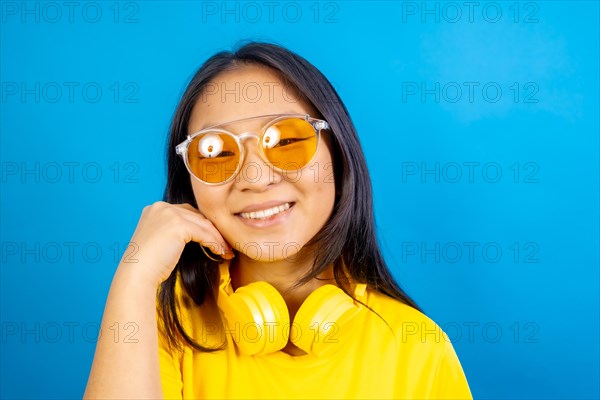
[409, 326]
[419, 344]
[395, 312]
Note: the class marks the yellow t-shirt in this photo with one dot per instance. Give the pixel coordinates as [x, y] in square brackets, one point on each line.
[410, 357]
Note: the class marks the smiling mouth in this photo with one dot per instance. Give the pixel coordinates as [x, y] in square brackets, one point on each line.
[266, 213]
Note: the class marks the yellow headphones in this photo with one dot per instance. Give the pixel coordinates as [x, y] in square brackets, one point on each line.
[258, 320]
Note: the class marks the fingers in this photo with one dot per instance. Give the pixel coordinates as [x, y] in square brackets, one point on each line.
[207, 235]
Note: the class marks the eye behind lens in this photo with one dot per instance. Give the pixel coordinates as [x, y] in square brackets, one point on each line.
[296, 143]
[213, 157]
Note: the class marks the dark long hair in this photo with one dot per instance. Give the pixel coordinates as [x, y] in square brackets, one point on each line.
[348, 239]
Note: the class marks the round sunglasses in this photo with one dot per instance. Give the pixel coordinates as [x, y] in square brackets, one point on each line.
[288, 142]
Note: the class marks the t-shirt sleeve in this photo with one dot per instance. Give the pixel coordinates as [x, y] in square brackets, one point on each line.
[449, 380]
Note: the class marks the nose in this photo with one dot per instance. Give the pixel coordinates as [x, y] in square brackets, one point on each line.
[255, 173]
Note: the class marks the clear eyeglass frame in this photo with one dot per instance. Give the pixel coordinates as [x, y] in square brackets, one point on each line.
[182, 148]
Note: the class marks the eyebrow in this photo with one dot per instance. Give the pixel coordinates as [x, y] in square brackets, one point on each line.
[211, 124]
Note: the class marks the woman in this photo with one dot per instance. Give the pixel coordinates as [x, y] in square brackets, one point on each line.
[293, 299]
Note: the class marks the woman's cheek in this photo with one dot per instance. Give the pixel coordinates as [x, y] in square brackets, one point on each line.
[209, 201]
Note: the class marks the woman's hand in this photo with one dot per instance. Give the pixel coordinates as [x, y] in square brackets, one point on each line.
[123, 369]
[161, 235]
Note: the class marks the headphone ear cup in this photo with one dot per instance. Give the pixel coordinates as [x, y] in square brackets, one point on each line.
[257, 316]
[320, 318]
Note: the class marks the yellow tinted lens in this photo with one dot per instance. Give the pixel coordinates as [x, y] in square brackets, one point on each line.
[290, 144]
[213, 156]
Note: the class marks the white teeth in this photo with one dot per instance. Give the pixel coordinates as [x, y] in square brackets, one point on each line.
[263, 214]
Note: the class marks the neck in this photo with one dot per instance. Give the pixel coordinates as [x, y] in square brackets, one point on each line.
[281, 274]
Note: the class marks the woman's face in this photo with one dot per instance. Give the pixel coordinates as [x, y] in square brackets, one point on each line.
[252, 91]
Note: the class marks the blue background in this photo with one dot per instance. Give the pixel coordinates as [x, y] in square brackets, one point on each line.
[524, 323]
